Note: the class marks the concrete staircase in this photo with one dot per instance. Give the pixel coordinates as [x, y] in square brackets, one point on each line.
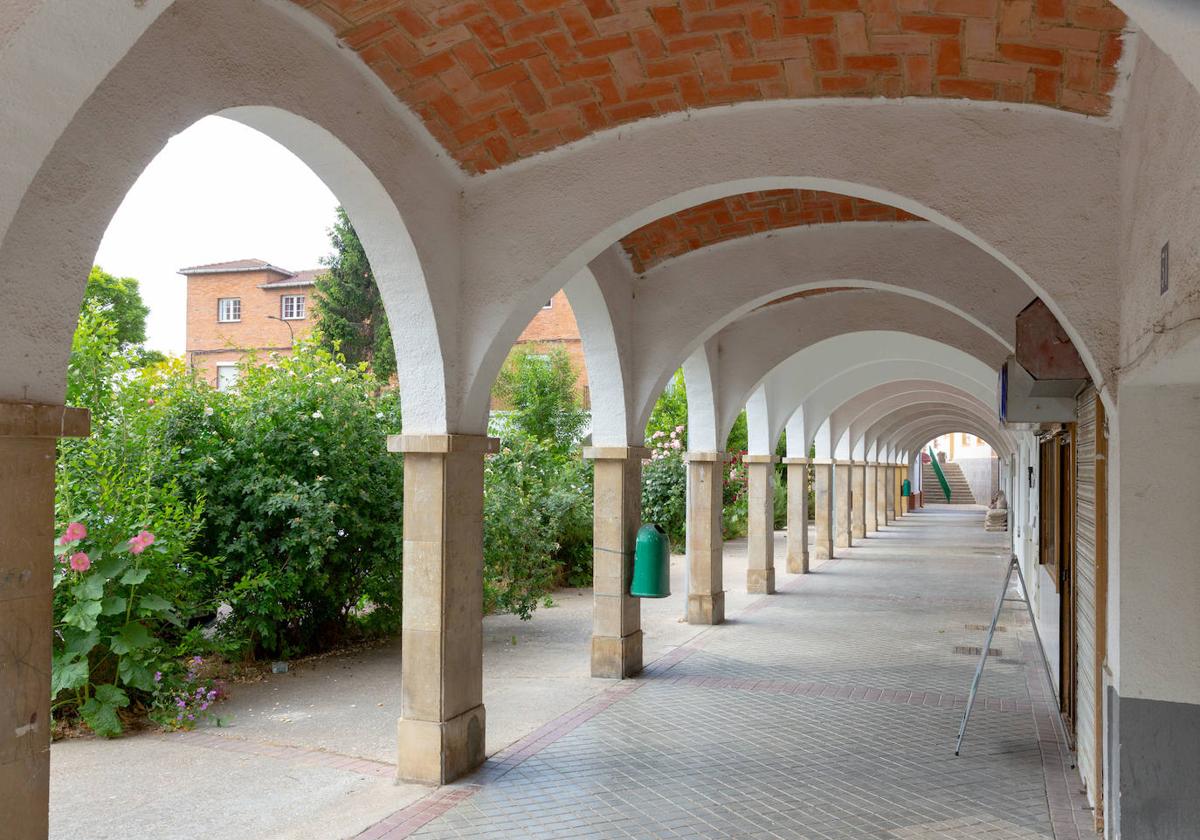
[960, 490]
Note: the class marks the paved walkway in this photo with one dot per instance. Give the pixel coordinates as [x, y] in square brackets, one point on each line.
[826, 711]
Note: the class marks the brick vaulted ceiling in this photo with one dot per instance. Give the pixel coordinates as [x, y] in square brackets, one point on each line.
[498, 80]
[746, 214]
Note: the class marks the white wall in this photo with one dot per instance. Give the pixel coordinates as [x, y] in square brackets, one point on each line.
[978, 472]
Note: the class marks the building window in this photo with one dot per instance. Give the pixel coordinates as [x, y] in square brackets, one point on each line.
[227, 377]
[229, 310]
[292, 307]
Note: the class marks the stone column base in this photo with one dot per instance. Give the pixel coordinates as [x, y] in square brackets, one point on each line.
[438, 752]
[760, 581]
[706, 609]
[822, 552]
[797, 565]
[616, 657]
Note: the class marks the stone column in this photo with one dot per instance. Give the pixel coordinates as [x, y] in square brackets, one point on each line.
[858, 494]
[797, 516]
[442, 720]
[823, 499]
[760, 535]
[881, 483]
[870, 498]
[706, 593]
[616, 517]
[892, 493]
[897, 501]
[28, 435]
[841, 486]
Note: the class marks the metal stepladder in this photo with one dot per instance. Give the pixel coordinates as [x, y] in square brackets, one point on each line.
[1013, 564]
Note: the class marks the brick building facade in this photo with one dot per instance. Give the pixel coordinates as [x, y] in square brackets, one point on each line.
[242, 307]
[554, 326]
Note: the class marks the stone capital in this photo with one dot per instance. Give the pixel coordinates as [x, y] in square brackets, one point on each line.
[443, 444]
[615, 453]
[707, 457]
[37, 420]
[796, 461]
[760, 459]
[821, 462]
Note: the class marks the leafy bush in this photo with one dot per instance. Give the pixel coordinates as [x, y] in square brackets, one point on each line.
[779, 503]
[303, 502]
[277, 501]
[670, 411]
[664, 485]
[121, 594]
[537, 490]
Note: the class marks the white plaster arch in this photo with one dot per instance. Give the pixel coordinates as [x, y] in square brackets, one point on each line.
[703, 393]
[687, 300]
[599, 298]
[922, 434]
[753, 345]
[899, 430]
[1173, 26]
[886, 427]
[1029, 185]
[803, 421]
[852, 418]
[221, 57]
[878, 357]
[860, 433]
[840, 446]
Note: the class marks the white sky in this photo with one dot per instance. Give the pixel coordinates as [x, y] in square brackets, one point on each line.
[218, 191]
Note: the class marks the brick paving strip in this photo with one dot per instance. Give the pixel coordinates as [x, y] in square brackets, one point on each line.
[1071, 817]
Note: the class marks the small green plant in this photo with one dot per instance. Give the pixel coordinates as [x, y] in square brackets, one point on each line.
[664, 484]
[109, 639]
[185, 696]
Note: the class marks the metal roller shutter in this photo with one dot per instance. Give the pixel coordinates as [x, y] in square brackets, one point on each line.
[1088, 607]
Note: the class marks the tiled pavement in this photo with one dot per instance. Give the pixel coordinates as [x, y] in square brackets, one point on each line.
[826, 711]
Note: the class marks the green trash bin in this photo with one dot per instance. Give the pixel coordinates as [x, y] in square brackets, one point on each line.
[905, 488]
[651, 564]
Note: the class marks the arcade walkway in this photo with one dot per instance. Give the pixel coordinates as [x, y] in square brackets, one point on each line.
[826, 711]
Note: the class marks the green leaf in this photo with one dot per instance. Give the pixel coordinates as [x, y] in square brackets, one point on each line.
[110, 566]
[91, 588]
[134, 576]
[111, 695]
[78, 643]
[113, 605]
[68, 673]
[154, 603]
[82, 614]
[101, 717]
[134, 673]
[133, 636]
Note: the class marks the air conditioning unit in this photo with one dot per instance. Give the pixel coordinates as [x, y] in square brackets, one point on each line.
[1028, 403]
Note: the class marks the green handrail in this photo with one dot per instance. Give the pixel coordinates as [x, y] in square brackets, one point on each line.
[941, 476]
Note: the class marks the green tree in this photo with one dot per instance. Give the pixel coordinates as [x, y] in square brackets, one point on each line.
[119, 301]
[671, 410]
[539, 389]
[349, 307]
